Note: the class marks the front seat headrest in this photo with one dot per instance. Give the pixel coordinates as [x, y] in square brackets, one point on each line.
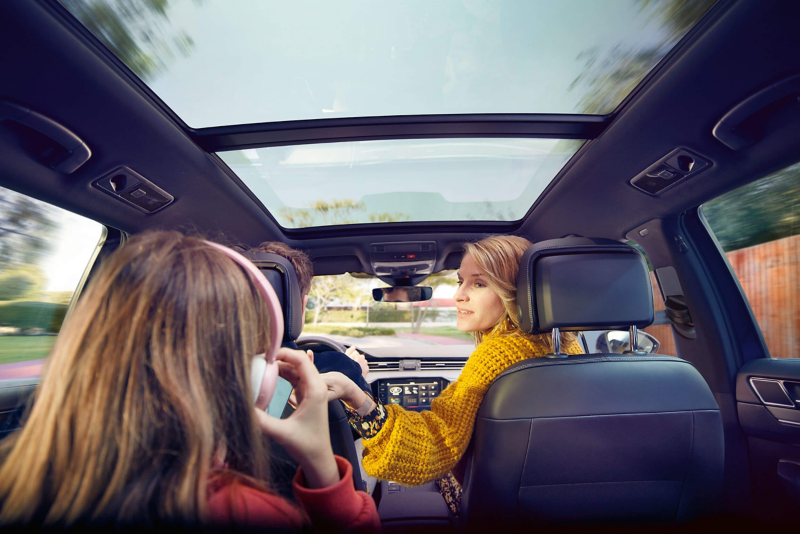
[580, 283]
[281, 276]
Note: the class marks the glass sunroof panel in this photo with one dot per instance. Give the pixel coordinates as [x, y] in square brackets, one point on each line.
[401, 180]
[222, 62]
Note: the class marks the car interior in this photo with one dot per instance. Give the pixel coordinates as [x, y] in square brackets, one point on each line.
[599, 438]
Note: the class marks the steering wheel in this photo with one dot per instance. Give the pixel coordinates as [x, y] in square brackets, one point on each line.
[340, 432]
[322, 340]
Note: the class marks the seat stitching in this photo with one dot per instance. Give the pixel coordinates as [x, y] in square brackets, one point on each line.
[545, 363]
[525, 463]
[686, 473]
[710, 410]
[595, 483]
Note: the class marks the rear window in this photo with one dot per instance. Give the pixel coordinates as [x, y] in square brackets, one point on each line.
[44, 252]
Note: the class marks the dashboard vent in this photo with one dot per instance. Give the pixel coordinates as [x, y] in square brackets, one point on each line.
[425, 365]
[442, 365]
[383, 366]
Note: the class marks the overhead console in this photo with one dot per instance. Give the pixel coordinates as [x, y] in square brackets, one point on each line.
[669, 170]
[403, 263]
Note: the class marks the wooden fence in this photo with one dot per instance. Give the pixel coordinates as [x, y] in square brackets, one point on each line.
[663, 333]
[770, 276]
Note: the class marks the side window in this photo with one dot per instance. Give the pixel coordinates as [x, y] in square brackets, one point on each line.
[44, 252]
[758, 226]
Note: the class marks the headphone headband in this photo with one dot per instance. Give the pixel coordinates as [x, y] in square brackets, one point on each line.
[264, 369]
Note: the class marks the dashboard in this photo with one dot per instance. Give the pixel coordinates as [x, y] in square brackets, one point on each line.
[415, 379]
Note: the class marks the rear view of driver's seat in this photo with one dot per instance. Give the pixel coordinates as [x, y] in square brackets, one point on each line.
[602, 438]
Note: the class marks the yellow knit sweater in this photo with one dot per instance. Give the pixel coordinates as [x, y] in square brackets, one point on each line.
[416, 447]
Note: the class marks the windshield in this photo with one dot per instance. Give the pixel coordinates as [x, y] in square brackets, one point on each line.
[341, 307]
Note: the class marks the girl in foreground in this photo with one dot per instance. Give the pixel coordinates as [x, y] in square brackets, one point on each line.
[413, 448]
[145, 414]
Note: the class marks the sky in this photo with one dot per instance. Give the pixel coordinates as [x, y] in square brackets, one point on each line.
[73, 245]
[257, 61]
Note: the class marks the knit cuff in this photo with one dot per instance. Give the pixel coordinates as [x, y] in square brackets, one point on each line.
[368, 425]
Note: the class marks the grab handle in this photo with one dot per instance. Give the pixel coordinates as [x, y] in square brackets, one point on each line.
[728, 128]
[79, 153]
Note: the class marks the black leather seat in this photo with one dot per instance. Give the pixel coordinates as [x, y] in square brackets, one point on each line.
[594, 438]
[280, 274]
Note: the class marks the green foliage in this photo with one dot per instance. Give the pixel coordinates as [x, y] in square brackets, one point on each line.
[765, 210]
[25, 315]
[26, 227]
[336, 211]
[609, 77]
[349, 331]
[138, 32]
[16, 284]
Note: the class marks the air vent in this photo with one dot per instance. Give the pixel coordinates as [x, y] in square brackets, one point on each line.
[442, 365]
[425, 365]
[383, 366]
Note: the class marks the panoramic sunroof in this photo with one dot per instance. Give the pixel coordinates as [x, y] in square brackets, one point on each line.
[401, 180]
[219, 62]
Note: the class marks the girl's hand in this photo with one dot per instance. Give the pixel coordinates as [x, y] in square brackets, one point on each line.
[342, 388]
[300, 433]
[359, 359]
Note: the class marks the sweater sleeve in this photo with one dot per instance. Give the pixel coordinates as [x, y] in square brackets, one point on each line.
[338, 508]
[413, 448]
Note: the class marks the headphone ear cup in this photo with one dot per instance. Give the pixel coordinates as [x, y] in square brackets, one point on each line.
[263, 379]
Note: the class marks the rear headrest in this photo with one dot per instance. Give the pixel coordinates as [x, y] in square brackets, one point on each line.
[580, 283]
[281, 276]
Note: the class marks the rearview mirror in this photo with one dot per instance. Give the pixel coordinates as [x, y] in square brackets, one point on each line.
[402, 294]
[618, 341]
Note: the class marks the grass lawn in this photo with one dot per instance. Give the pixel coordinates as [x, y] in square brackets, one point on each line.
[24, 348]
[444, 331]
[349, 331]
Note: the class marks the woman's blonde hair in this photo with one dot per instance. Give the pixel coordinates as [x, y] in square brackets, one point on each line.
[147, 380]
[499, 257]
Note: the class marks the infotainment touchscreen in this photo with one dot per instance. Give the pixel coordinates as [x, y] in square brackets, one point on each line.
[410, 393]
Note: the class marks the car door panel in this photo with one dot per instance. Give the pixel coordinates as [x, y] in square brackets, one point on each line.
[14, 394]
[767, 395]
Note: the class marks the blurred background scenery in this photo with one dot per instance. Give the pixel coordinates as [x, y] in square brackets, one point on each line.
[449, 56]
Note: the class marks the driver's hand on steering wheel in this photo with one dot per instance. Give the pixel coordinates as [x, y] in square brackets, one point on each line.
[359, 359]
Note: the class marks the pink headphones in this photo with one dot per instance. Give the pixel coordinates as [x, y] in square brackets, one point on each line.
[264, 372]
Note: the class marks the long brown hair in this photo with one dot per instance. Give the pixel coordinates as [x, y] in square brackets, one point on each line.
[147, 380]
[499, 256]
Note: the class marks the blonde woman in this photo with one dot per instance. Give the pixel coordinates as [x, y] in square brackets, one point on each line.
[145, 414]
[413, 448]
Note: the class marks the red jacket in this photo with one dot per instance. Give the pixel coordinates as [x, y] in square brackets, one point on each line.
[338, 508]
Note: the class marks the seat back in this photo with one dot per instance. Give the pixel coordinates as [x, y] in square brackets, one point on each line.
[280, 273]
[599, 437]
